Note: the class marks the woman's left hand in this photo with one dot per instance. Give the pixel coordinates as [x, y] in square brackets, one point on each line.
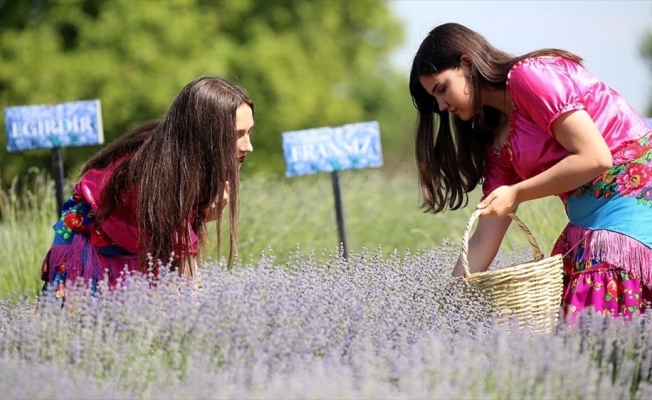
[499, 203]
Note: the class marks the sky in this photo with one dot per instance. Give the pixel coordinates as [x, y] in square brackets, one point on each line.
[606, 34]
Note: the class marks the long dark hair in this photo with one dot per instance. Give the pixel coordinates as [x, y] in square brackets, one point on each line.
[179, 165]
[451, 154]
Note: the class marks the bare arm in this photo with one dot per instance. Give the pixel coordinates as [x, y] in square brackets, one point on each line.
[211, 213]
[484, 244]
[188, 268]
[589, 157]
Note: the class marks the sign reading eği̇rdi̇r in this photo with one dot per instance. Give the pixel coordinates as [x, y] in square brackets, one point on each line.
[48, 126]
[330, 149]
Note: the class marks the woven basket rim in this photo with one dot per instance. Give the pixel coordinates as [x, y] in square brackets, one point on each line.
[552, 260]
[537, 254]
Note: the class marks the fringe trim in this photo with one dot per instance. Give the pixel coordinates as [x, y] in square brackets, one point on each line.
[75, 259]
[55, 257]
[80, 259]
[613, 248]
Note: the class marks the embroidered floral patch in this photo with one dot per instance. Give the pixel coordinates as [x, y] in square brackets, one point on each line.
[75, 217]
[631, 177]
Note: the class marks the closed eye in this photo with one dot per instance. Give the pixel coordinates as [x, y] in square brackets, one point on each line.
[241, 133]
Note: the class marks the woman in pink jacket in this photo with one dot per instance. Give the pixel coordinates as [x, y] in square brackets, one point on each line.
[148, 195]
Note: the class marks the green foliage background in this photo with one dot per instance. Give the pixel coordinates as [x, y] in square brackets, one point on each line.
[305, 63]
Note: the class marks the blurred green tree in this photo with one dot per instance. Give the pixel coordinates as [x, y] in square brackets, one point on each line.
[305, 63]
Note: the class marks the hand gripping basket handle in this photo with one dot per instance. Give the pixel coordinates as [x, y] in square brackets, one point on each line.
[538, 255]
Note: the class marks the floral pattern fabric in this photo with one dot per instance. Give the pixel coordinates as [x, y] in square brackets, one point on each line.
[599, 287]
[631, 176]
[76, 217]
[590, 282]
[73, 255]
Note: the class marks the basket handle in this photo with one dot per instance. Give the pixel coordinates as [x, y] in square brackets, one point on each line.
[538, 255]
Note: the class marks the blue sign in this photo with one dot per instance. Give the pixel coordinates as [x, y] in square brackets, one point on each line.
[44, 126]
[351, 146]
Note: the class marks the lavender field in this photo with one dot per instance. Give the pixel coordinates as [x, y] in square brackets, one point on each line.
[315, 327]
[303, 321]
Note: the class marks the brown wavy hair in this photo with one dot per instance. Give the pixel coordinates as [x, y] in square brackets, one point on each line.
[179, 165]
[451, 153]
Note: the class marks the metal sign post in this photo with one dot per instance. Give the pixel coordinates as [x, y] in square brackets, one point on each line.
[351, 146]
[58, 175]
[339, 215]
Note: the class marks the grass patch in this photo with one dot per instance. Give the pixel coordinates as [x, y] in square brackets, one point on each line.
[381, 210]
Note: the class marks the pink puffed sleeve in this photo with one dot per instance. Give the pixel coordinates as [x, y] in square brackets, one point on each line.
[542, 89]
[498, 171]
[121, 228]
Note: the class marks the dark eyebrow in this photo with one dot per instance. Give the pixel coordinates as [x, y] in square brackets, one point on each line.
[434, 87]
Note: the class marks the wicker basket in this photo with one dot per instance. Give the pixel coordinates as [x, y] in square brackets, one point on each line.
[531, 291]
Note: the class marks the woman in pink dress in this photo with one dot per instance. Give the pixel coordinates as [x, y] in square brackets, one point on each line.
[148, 195]
[528, 127]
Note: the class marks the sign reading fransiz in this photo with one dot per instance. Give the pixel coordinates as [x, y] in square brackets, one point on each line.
[330, 149]
[44, 126]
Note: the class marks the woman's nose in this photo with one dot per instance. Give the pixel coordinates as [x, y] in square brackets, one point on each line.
[245, 144]
[442, 104]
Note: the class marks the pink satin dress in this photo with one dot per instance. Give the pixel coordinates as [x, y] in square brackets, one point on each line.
[607, 244]
[90, 252]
